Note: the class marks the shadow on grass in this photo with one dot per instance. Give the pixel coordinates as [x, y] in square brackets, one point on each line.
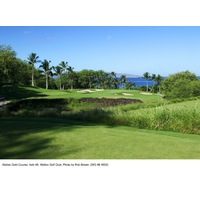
[11, 92]
[25, 139]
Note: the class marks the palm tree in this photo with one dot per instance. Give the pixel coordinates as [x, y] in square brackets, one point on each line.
[123, 79]
[46, 69]
[146, 76]
[33, 59]
[129, 85]
[100, 76]
[153, 77]
[91, 77]
[159, 80]
[114, 80]
[71, 75]
[58, 71]
[64, 66]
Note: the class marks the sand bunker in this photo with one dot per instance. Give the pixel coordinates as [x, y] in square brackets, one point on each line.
[99, 90]
[3, 103]
[89, 91]
[146, 93]
[127, 94]
[85, 91]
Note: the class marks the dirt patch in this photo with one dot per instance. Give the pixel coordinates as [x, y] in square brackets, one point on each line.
[60, 104]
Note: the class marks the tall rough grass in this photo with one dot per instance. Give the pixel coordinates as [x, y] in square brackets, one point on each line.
[162, 118]
[183, 120]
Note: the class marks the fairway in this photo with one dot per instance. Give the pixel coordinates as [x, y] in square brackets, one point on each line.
[21, 92]
[61, 139]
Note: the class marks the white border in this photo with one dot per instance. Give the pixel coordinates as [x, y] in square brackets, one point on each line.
[123, 179]
[98, 13]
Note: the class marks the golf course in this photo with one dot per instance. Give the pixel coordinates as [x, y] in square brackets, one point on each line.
[52, 110]
[55, 124]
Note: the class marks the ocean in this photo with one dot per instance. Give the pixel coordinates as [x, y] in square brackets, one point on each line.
[139, 81]
[142, 82]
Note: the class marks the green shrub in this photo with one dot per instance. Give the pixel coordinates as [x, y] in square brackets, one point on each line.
[181, 85]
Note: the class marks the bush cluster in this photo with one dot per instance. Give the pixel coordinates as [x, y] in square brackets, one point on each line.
[181, 85]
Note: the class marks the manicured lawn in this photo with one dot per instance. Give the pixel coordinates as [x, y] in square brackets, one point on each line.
[19, 92]
[61, 139]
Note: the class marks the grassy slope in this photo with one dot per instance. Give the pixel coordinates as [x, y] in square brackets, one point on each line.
[59, 139]
[185, 105]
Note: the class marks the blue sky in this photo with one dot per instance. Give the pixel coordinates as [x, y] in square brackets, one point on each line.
[124, 49]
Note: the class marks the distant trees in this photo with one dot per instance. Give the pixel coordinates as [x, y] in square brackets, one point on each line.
[64, 66]
[147, 76]
[16, 71]
[129, 85]
[159, 80]
[105, 82]
[58, 72]
[71, 76]
[86, 78]
[153, 78]
[100, 79]
[123, 80]
[114, 80]
[97, 79]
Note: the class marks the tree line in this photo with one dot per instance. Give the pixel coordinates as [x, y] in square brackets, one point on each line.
[62, 76]
[13, 70]
[16, 71]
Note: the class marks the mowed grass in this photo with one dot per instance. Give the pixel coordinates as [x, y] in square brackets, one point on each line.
[19, 92]
[61, 139]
